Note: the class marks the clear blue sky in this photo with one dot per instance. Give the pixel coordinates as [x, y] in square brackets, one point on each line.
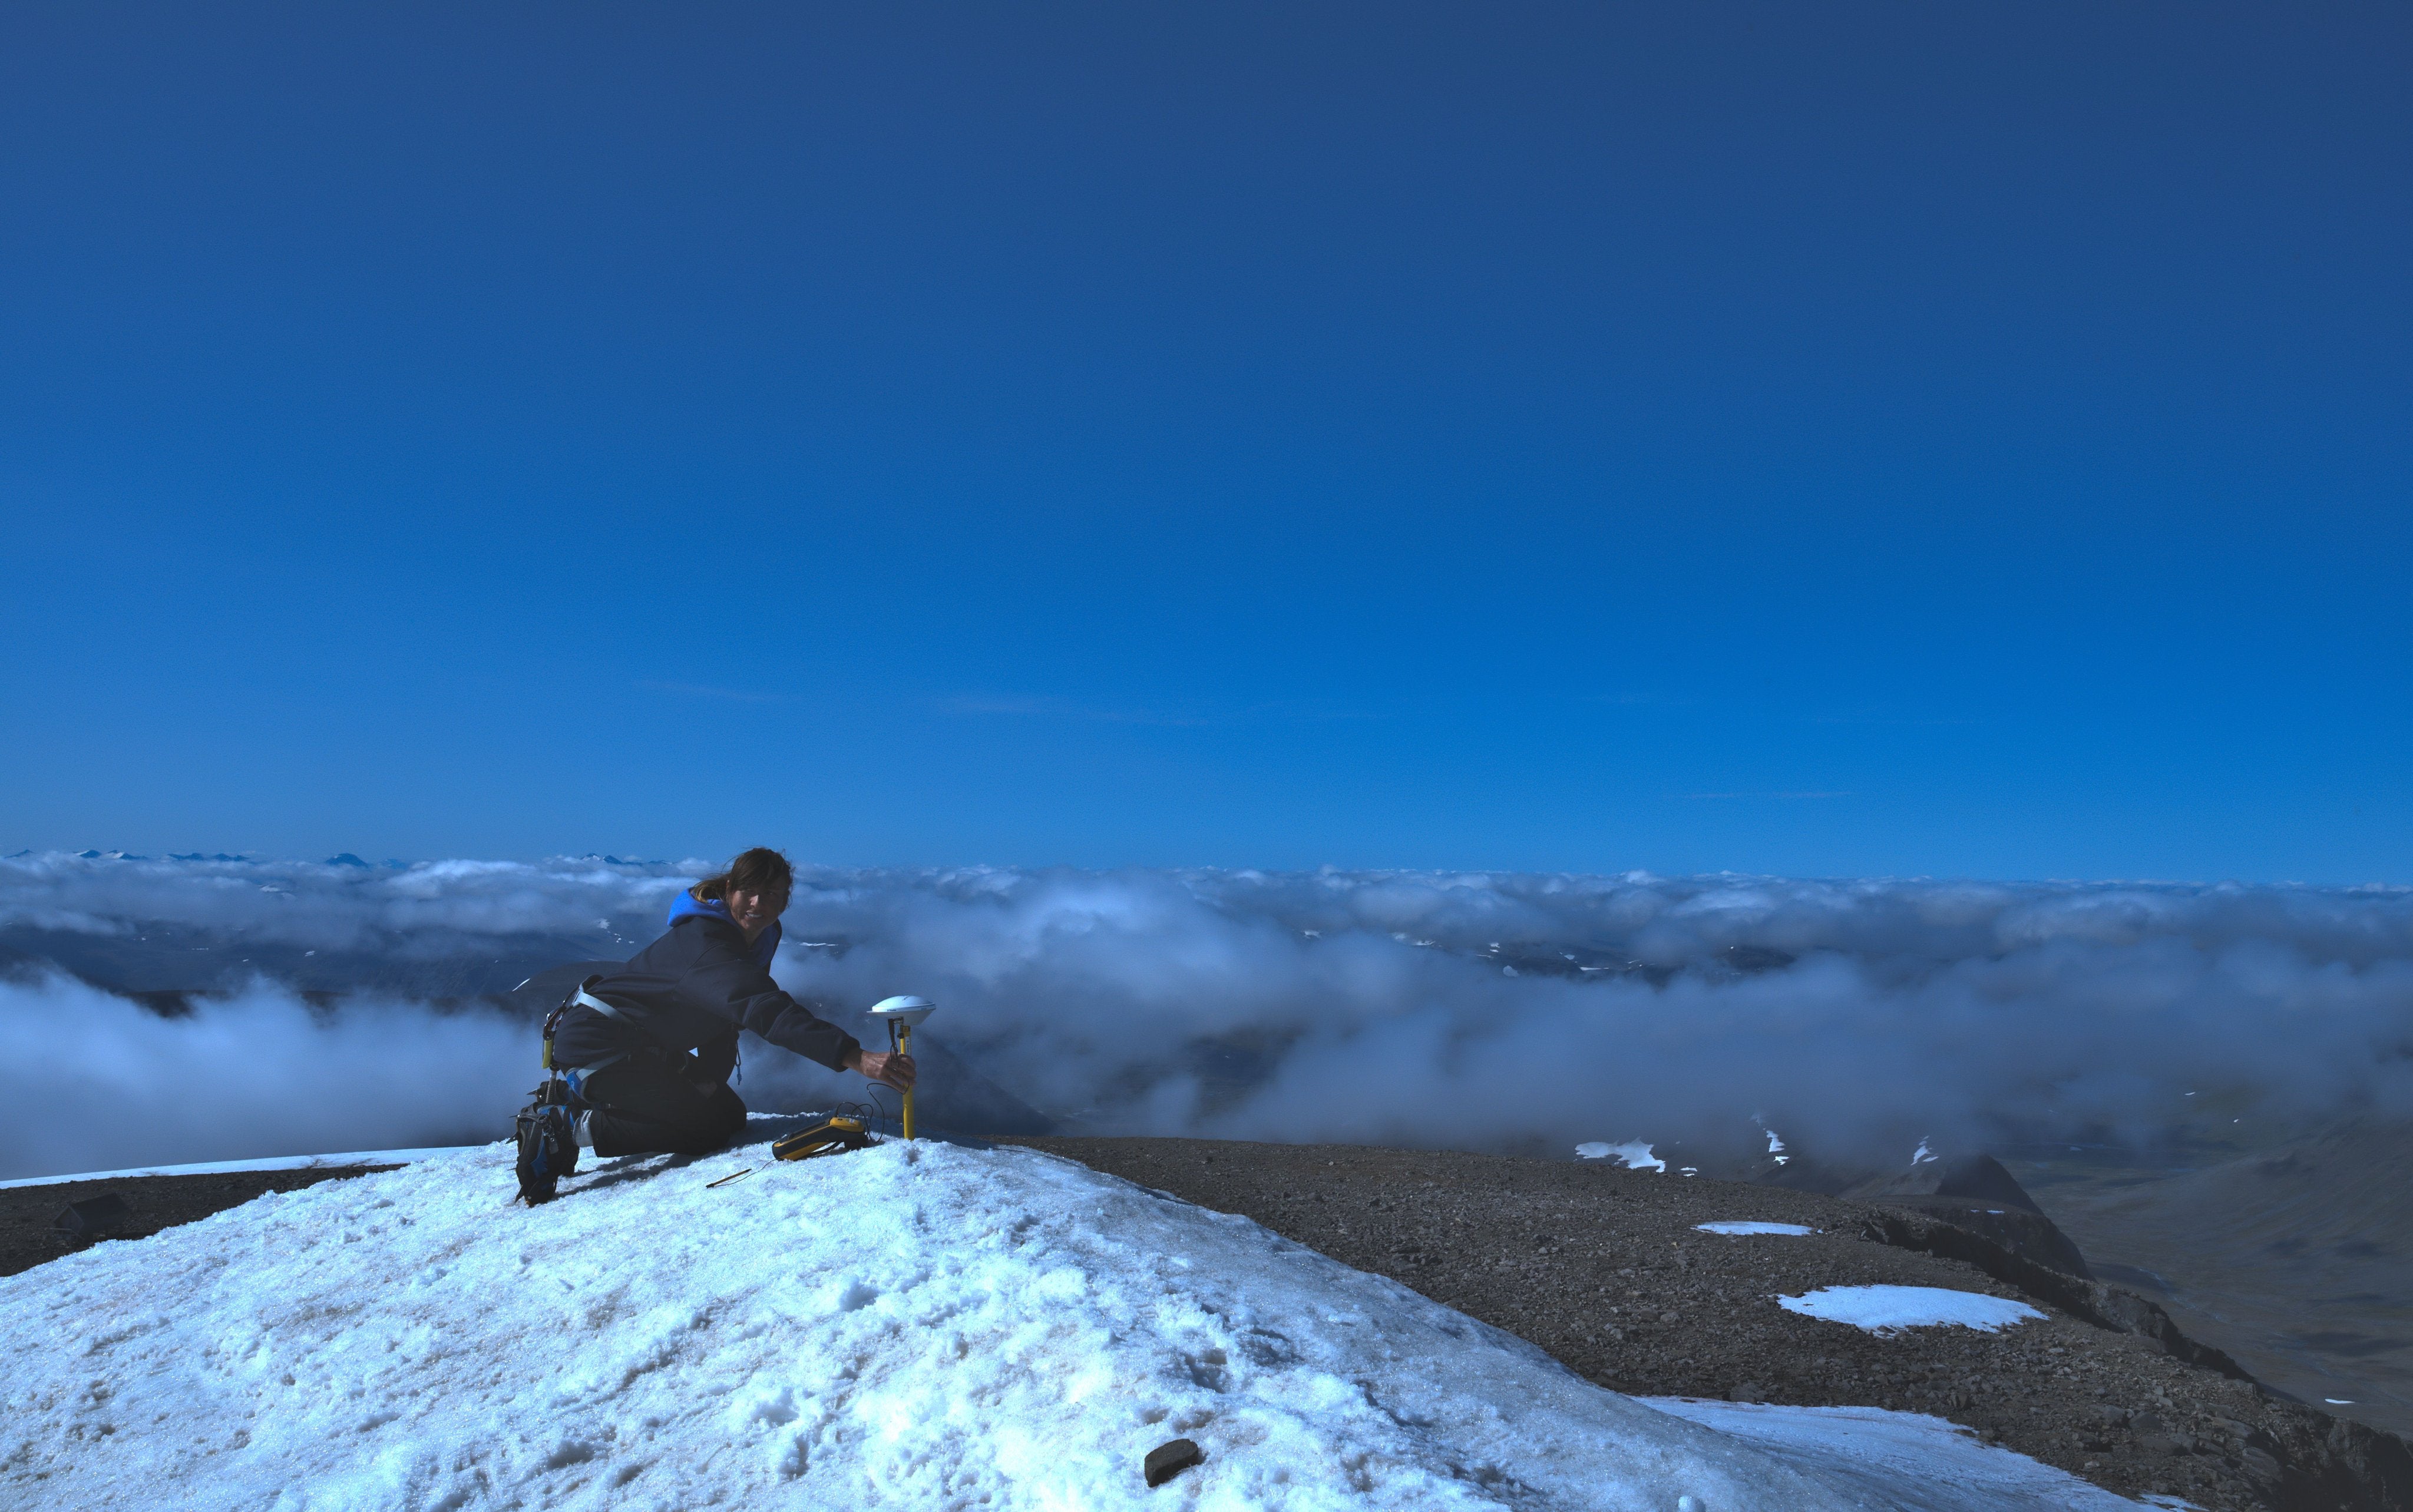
[1837, 440]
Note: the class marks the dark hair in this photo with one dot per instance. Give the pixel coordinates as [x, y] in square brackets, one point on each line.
[758, 870]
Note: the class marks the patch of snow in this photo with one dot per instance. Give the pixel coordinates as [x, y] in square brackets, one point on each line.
[1743, 1227]
[1890, 1450]
[1636, 1156]
[1921, 1155]
[909, 1326]
[1891, 1308]
[268, 1162]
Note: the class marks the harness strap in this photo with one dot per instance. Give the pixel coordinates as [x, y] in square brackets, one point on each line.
[585, 999]
[576, 1075]
[577, 1078]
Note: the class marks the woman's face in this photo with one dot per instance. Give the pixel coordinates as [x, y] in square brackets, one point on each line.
[753, 912]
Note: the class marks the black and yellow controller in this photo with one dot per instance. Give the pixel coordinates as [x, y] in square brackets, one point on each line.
[834, 1135]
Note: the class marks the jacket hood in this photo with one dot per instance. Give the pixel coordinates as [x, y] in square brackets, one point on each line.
[687, 906]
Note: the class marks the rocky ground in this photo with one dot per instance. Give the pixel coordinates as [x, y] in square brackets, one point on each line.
[26, 1213]
[1603, 1269]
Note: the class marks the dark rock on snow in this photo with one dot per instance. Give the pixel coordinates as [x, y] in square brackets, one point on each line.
[1167, 1460]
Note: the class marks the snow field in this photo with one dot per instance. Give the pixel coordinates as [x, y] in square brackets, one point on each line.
[1889, 1451]
[912, 1326]
[1888, 1308]
[1636, 1156]
[1740, 1228]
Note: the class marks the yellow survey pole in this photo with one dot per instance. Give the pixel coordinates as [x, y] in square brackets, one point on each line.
[901, 1013]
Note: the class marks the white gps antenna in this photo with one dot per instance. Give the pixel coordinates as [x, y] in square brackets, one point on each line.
[900, 1014]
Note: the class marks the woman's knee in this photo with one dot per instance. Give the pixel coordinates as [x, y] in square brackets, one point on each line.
[730, 1110]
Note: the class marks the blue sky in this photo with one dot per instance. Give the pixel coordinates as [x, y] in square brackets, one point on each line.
[1824, 440]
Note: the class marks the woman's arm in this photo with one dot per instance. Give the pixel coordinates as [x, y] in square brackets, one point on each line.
[727, 982]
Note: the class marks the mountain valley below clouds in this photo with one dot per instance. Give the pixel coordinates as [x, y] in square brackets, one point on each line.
[2213, 1219]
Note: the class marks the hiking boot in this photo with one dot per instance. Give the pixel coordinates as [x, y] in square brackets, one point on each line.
[548, 1152]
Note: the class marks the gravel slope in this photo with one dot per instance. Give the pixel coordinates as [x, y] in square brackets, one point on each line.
[1603, 1267]
[26, 1213]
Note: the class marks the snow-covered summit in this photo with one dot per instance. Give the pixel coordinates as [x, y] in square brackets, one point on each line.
[910, 1327]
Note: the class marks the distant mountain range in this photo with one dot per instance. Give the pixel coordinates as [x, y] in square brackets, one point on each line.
[178, 958]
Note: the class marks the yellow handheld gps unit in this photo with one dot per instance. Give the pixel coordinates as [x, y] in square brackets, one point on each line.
[831, 1136]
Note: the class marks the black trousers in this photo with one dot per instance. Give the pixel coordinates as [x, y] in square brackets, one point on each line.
[645, 1107]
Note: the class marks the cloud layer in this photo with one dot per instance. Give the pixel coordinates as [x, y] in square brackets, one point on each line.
[1860, 1015]
[342, 905]
[90, 1081]
[1488, 1008]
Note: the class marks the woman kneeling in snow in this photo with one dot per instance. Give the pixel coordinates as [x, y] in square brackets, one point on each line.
[649, 1045]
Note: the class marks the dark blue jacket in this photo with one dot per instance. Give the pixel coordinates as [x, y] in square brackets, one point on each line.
[693, 990]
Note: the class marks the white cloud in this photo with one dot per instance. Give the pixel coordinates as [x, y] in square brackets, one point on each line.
[89, 1081]
[1373, 1005]
[333, 906]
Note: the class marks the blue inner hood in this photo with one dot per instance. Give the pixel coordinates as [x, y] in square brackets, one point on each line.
[687, 906]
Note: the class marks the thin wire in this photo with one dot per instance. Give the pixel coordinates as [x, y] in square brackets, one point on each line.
[865, 1111]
